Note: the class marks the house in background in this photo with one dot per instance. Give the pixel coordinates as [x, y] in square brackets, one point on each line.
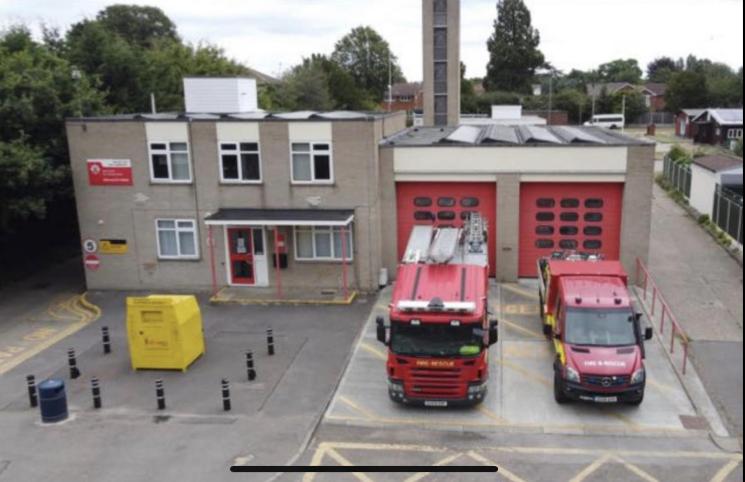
[654, 93]
[408, 96]
[709, 172]
[718, 127]
[684, 125]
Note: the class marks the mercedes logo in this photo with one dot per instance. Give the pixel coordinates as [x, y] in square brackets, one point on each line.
[607, 382]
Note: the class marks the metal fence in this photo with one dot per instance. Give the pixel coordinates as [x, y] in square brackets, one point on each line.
[659, 118]
[679, 176]
[728, 212]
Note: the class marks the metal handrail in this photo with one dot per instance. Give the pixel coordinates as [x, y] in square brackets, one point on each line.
[667, 313]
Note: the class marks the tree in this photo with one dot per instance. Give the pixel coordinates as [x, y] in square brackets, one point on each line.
[305, 87]
[636, 105]
[621, 70]
[467, 92]
[345, 92]
[686, 90]
[136, 25]
[513, 49]
[662, 68]
[27, 183]
[367, 56]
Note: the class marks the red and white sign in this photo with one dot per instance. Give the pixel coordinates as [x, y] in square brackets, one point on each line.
[92, 262]
[110, 172]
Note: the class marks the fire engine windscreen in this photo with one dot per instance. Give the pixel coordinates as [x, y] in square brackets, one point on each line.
[436, 340]
[600, 328]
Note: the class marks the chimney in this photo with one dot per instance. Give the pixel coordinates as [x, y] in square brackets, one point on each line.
[441, 30]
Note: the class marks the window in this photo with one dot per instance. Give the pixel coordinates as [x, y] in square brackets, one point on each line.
[177, 239]
[569, 231]
[424, 216]
[570, 203]
[593, 244]
[446, 202]
[322, 243]
[240, 162]
[544, 244]
[594, 203]
[545, 230]
[545, 217]
[734, 134]
[545, 203]
[568, 244]
[446, 216]
[594, 217]
[311, 163]
[569, 217]
[423, 202]
[169, 162]
[593, 231]
[469, 202]
[466, 215]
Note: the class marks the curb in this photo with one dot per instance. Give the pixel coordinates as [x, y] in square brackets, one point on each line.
[216, 300]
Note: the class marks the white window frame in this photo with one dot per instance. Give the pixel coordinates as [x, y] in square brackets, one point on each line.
[240, 180]
[312, 153]
[178, 230]
[331, 230]
[734, 134]
[168, 154]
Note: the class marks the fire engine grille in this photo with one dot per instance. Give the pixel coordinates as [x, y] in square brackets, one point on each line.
[436, 383]
[606, 381]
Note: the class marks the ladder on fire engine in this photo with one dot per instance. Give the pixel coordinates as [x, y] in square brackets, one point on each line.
[444, 245]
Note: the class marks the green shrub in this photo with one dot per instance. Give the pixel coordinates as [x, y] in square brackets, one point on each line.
[678, 154]
[704, 219]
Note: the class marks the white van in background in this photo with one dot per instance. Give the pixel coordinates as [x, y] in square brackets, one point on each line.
[609, 121]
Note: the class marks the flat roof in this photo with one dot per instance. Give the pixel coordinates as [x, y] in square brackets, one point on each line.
[718, 163]
[281, 217]
[300, 116]
[502, 135]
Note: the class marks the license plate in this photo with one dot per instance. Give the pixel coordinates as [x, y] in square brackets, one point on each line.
[435, 404]
[606, 400]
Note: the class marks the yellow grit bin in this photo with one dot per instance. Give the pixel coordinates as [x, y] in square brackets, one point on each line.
[164, 332]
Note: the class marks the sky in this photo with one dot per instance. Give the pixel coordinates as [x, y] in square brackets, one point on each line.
[271, 36]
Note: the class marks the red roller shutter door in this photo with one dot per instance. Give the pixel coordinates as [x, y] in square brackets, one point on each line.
[445, 203]
[564, 216]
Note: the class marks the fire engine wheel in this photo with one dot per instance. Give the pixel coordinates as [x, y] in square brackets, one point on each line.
[559, 395]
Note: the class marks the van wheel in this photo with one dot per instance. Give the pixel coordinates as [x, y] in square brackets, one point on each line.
[559, 394]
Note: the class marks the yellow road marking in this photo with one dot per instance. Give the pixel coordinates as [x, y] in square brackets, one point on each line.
[502, 471]
[520, 291]
[635, 470]
[725, 471]
[445, 461]
[374, 351]
[530, 375]
[592, 468]
[514, 326]
[357, 408]
[489, 414]
[315, 462]
[346, 463]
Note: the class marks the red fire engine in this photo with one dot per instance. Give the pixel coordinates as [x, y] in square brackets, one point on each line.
[588, 314]
[439, 332]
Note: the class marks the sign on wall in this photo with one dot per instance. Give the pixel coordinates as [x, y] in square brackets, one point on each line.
[110, 172]
[114, 246]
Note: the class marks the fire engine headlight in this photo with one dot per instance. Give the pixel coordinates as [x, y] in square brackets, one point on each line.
[639, 376]
[476, 389]
[572, 375]
[395, 387]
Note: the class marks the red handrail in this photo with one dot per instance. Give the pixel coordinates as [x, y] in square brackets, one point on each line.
[667, 314]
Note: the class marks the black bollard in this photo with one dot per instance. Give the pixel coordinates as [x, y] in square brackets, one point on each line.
[250, 366]
[33, 400]
[160, 394]
[270, 341]
[106, 340]
[73, 363]
[96, 391]
[226, 395]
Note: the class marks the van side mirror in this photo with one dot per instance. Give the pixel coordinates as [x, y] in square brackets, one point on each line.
[557, 336]
[648, 333]
[639, 317]
[381, 332]
[493, 332]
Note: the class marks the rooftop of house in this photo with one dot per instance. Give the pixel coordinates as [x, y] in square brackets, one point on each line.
[718, 163]
[300, 116]
[502, 135]
[725, 117]
[406, 89]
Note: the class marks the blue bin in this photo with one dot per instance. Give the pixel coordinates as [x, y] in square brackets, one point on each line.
[53, 401]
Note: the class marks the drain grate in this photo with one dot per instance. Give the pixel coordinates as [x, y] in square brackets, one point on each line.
[694, 423]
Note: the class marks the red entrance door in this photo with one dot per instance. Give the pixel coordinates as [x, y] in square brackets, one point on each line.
[240, 246]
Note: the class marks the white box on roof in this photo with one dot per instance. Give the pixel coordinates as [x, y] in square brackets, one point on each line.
[220, 95]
